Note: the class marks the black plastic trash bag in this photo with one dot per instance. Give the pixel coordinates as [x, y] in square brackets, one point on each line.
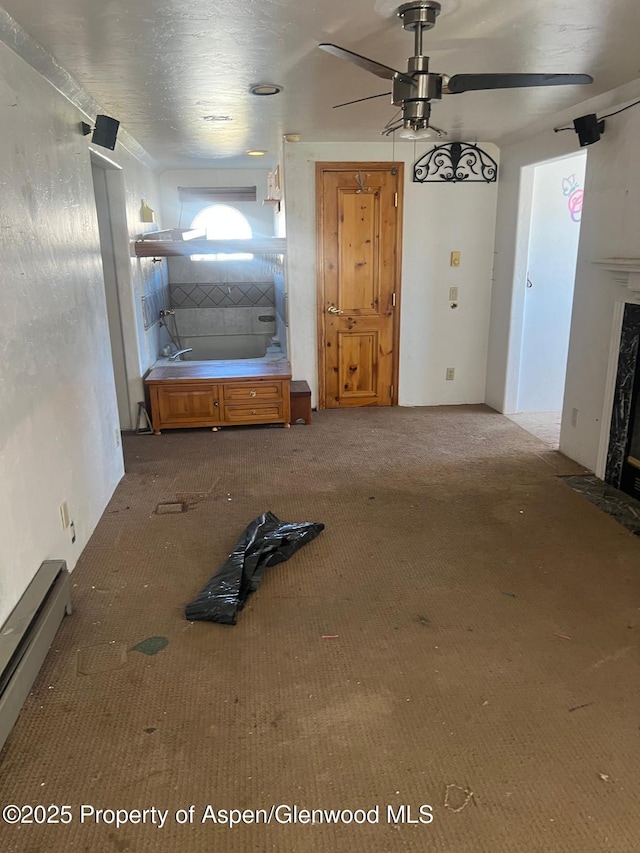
[267, 541]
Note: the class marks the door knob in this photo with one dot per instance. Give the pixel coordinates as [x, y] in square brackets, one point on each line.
[333, 310]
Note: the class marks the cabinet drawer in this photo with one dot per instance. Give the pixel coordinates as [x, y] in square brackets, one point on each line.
[258, 413]
[247, 393]
[188, 403]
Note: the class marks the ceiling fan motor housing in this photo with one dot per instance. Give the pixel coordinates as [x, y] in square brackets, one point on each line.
[416, 114]
[425, 86]
[419, 15]
[414, 97]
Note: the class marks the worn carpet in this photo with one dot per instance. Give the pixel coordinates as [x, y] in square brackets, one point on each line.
[463, 635]
[544, 425]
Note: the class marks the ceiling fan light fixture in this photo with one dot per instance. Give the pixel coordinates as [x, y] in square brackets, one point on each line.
[419, 128]
[420, 133]
[265, 89]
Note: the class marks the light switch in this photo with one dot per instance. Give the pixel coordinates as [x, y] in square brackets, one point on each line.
[455, 259]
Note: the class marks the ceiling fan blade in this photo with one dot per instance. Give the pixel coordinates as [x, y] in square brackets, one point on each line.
[358, 100]
[368, 64]
[479, 82]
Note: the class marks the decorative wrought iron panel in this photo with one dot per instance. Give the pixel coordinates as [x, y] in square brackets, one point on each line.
[456, 162]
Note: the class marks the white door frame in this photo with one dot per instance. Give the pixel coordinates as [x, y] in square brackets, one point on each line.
[521, 265]
[116, 202]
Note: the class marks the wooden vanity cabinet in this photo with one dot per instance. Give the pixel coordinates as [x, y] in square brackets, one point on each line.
[219, 393]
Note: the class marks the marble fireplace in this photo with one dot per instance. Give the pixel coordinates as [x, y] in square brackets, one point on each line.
[622, 468]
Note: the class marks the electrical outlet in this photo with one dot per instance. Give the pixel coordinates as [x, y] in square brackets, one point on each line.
[116, 436]
[574, 417]
[64, 515]
[451, 374]
[453, 294]
[455, 259]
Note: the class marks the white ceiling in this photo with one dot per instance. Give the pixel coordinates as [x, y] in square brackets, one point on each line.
[159, 66]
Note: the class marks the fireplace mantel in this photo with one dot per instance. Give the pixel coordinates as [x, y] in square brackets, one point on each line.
[625, 271]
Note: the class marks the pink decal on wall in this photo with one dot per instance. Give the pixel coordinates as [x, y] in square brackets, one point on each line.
[575, 196]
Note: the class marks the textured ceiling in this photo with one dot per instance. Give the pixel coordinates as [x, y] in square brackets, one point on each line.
[159, 66]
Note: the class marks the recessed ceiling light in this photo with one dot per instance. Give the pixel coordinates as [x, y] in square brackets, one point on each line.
[255, 152]
[217, 118]
[265, 89]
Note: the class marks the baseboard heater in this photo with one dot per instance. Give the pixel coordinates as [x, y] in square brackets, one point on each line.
[26, 637]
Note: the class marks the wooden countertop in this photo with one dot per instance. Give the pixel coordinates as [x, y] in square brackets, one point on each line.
[221, 371]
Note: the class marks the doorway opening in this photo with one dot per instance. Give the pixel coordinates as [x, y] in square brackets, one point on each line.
[551, 195]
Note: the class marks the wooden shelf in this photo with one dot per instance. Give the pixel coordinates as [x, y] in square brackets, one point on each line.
[150, 248]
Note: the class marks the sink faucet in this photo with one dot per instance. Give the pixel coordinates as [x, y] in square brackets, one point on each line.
[178, 353]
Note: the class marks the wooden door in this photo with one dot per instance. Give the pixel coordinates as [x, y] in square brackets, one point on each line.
[359, 257]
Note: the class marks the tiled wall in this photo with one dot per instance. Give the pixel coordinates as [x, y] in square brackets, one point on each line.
[152, 304]
[156, 294]
[280, 304]
[225, 321]
[247, 294]
[210, 284]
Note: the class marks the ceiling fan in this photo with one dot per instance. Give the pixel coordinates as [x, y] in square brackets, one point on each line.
[414, 90]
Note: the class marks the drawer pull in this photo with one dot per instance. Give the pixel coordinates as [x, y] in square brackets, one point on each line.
[253, 392]
[216, 404]
[253, 412]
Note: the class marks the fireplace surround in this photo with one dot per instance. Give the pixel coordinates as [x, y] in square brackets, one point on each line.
[622, 469]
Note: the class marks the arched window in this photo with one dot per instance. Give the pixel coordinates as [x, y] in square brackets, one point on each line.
[223, 222]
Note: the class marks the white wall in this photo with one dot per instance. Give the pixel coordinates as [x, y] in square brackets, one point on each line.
[57, 399]
[609, 228]
[261, 217]
[438, 219]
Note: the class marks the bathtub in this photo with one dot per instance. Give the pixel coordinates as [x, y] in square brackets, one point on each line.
[257, 348]
[224, 347]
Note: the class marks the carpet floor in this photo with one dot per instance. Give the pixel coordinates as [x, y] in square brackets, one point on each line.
[544, 425]
[463, 635]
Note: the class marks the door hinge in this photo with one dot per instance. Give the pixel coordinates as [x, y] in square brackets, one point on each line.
[393, 300]
[395, 199]
[392, 389]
